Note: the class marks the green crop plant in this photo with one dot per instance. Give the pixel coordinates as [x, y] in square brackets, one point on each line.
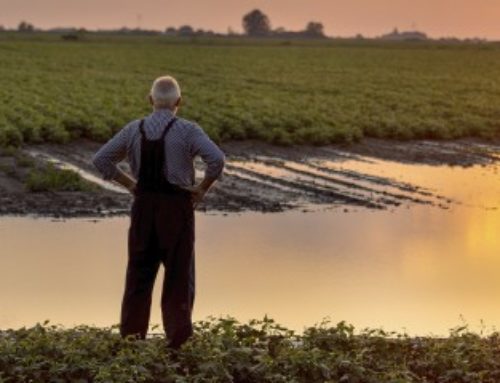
[53, 90]
[225, 350]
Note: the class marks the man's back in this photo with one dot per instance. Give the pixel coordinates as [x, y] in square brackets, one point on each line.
[184, 141]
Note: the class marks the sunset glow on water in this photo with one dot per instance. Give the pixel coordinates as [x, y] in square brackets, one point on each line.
[423, 269]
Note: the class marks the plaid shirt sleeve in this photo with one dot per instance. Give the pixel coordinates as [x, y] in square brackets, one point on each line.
[111, 153]
[200, 144]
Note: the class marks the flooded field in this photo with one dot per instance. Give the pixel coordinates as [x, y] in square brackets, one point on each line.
[257, 177]
[421, 252]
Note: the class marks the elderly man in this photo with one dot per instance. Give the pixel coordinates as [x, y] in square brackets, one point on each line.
[160, 149]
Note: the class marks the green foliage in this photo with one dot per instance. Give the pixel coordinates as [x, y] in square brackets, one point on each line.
[10, 136]
[50, 178]
[224, 350]
[305, 92]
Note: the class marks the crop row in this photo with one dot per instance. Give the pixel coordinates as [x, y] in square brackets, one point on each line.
[58, 91]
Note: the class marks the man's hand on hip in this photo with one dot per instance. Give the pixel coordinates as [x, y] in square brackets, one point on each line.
[132, 189]
[125, 180]
[197, 193]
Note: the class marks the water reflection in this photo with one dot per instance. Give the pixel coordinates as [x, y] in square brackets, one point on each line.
[418, 268]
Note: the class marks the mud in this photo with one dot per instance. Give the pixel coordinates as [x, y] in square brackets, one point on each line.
[258, 177]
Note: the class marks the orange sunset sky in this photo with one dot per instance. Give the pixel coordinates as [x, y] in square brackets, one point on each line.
[460, 18]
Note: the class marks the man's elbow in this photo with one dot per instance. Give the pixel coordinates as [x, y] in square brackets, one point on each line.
[221, 161]
[95, 160]
[101, 166]
[216, 167]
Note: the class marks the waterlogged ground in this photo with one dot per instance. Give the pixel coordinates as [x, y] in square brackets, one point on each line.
[424, 264]
[257, 177]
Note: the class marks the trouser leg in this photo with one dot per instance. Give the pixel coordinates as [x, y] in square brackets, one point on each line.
[142, 267]
[136, 304]
[179, 288]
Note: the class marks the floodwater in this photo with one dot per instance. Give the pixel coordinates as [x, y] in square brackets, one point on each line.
[420, 269]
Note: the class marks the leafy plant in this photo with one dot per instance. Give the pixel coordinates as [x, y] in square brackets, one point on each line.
[225, 350]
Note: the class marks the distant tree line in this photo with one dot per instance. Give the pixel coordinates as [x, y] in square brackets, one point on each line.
[187, 30]
[257, 24]
[25, 27]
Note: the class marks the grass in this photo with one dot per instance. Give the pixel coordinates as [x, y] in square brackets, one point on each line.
[224, 350]
[50, 178]
[276, 91]
[41, 176]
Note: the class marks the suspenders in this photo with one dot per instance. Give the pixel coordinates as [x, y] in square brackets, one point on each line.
[163, 134]
[153, 167]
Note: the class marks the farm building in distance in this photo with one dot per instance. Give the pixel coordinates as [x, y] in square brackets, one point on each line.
[395, 35]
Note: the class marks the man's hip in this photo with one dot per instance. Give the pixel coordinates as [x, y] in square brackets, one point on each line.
[160, 220]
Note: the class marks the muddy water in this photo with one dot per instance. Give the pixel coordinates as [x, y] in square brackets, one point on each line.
[421, 268]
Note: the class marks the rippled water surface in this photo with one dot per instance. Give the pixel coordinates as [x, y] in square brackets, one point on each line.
[419, 268]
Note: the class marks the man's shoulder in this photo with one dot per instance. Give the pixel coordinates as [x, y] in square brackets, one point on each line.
[188, 127]
[131, 129]
[133, 124]
[185, 123]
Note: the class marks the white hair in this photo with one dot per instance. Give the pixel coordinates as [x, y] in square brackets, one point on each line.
[165, 91]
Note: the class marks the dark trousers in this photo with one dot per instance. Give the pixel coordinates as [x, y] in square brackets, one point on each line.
[161, 231]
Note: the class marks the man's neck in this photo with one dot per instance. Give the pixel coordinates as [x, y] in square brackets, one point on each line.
[159, 110]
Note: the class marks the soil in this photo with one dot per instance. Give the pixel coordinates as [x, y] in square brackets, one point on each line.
[257, 177]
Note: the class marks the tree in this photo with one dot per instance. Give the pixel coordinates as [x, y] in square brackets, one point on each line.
[25, 27]
[185, 30]
[171, 31]
[315, 29]
[256, 23]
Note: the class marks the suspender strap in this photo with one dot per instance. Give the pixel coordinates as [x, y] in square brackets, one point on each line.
[167, 128]
[141, 128]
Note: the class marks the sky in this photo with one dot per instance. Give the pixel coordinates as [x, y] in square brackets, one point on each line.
[439, 18]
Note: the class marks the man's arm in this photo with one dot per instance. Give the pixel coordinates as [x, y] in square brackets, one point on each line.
[110, 154]
[125, 180]
[198, 191]
[201, 144]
